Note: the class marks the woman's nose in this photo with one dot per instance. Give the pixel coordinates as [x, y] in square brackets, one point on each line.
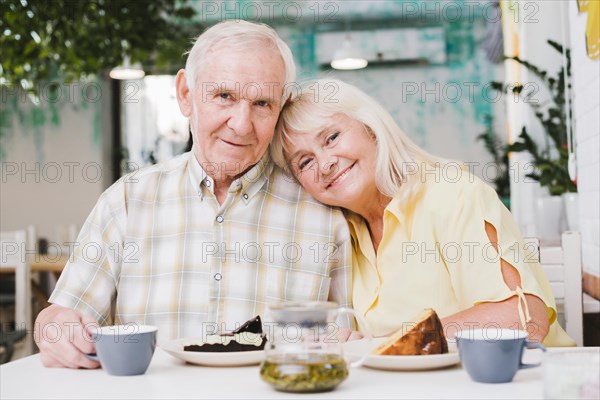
[240, 119]
[328, 165]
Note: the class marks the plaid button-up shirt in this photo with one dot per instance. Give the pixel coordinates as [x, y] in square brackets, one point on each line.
[159, 249]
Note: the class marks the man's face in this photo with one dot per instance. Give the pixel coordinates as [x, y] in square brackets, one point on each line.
[233, 108]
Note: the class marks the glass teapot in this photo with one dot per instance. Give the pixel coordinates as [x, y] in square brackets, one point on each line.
[304, 353]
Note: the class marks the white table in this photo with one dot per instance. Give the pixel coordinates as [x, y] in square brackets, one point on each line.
[169, 377]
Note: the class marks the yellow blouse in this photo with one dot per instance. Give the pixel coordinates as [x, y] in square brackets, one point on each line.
[436, 254]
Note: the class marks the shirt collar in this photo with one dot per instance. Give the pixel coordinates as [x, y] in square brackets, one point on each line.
[358, 226]
[197, 173]
[248, 184]
[256, 177]
[361, 239]
[396, 208]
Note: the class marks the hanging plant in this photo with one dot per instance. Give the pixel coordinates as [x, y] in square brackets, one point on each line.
[44, 40]
[50, 47]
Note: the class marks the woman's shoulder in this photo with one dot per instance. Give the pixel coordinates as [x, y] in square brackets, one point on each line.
[453, 184]
[452, 202]
[447, 190]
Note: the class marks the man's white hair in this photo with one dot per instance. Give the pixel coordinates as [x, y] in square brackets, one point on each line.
[236, 35]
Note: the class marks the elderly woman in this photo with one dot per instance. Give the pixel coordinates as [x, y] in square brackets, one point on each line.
[426, 233]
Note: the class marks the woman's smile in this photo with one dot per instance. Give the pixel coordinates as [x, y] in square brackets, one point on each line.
[340, 177]
[336, 164]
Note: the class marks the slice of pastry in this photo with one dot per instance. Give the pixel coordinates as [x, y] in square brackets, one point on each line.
[248, 337]
[424, 335]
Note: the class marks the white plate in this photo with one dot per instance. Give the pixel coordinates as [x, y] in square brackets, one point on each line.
[357, 348]
[225, 359]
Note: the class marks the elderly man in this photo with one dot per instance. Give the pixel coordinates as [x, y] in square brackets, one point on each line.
[212, 236]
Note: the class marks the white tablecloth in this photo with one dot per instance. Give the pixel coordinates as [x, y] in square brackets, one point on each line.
[168, 377]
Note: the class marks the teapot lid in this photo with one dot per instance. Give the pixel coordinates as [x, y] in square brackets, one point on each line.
[305, 314]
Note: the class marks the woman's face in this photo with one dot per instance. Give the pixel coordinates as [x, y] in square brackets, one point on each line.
[336, 164]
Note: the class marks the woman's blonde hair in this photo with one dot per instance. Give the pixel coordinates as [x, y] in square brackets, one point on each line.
[400, 161]
[237, 35]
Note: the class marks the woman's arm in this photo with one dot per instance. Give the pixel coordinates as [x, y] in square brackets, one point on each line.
[504, 313]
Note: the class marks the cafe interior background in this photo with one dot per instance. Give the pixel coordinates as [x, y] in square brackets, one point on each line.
[69, 130]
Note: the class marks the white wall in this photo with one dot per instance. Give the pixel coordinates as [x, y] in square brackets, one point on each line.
[52, 172]
[586, 103]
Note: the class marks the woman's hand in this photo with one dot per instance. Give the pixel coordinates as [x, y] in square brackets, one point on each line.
[503, 314]
[346, 335]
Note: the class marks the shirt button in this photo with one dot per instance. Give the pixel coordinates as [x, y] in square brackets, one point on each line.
[207, 183]
[218, 276]
[220, 219]
[245, 196]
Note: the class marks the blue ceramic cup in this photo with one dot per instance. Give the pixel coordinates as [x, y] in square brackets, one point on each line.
[493, 355]
[124, 349]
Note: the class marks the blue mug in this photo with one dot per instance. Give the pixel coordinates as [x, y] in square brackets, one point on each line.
[124, 349]
[494, 355]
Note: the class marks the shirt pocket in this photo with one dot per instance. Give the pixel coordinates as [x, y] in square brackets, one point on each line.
[282, 284]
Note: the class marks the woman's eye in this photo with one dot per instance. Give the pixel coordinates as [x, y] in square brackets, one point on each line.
[304, 163]
[225, 96]
[262, 103]
[332, 137]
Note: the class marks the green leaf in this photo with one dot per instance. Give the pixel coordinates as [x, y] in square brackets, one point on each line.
[95, 31]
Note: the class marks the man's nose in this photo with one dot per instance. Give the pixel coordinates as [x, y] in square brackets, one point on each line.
[240, 119]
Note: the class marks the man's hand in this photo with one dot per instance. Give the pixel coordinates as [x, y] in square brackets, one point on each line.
[62, 334]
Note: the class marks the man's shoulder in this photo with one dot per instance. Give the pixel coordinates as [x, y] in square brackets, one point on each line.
[152, 172]
[147, 180]
[284, 186]
[311, 216]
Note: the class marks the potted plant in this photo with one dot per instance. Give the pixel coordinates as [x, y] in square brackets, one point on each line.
[551, 159]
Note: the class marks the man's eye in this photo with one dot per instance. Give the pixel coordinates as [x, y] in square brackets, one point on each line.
[224, 96]
[332, 137]
[262, 103]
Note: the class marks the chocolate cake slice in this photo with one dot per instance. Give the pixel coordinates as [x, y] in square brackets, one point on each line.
[426, 336]
[253, 325]
[248, 337]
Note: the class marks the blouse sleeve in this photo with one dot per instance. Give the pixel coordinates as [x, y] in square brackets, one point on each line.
[473, 262]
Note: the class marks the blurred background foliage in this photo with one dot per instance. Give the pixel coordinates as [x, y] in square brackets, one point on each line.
[72, 39]
[498, 150]
[551, 159]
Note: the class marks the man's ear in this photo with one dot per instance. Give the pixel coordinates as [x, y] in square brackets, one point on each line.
[184, 94]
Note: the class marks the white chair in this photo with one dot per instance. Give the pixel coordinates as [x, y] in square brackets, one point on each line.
[562, 264]
[13, 259]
